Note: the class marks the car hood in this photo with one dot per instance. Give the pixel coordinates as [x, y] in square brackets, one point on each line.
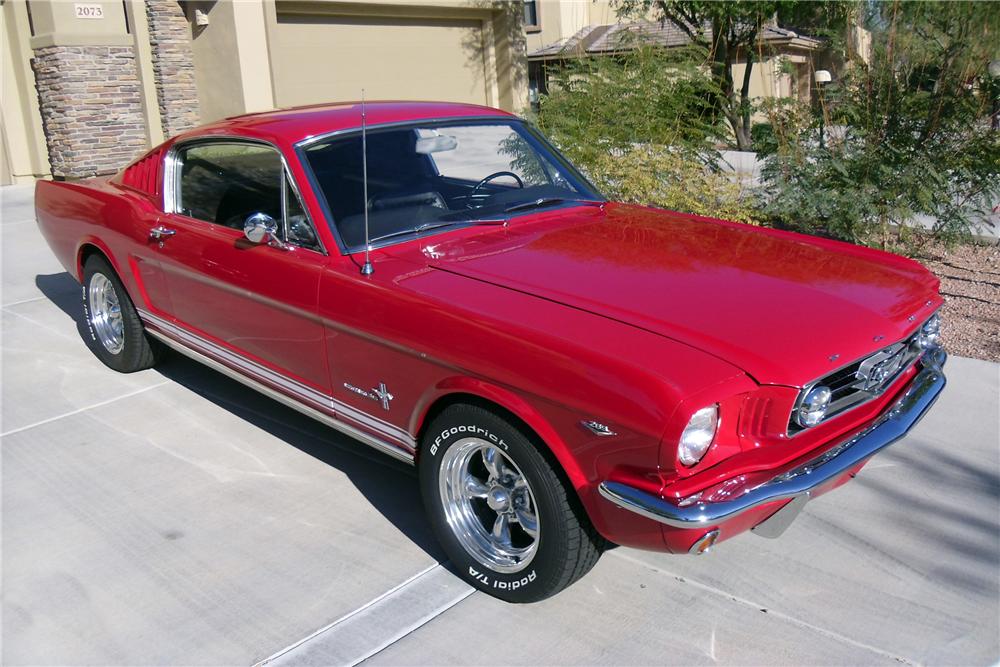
[785, 308]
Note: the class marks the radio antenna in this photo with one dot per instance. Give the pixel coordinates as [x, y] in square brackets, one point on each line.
[367, 269]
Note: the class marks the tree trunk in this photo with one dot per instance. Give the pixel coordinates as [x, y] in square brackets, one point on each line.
[735, 107]
[743, 141]
[722, 72]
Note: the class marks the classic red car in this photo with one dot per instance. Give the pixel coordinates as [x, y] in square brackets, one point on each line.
[563, 370]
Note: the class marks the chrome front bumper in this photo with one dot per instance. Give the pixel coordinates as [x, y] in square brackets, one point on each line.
[800, 482]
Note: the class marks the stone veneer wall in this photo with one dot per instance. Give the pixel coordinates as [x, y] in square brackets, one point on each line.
[91, 106]
[173, 66]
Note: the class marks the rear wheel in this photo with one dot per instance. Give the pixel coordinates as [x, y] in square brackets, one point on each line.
[116, 332]
[504, 517]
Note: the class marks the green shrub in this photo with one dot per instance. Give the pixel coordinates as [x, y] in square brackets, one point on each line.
[763, 139]
[788, 120]
[915, 136]
[662, 177]
[644, 95]
[640, 124]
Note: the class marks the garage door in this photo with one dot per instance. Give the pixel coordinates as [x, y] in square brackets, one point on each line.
[331, 58]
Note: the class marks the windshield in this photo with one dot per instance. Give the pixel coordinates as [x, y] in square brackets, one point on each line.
[438, 175]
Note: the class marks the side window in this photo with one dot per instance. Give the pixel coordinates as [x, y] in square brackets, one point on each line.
[226, 183]
[299, 231]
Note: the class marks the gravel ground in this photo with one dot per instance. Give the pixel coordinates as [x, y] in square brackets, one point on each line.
[970, 284]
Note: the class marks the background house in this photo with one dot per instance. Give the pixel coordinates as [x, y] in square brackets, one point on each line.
[783, 62]
[548, 23]
[87, 86]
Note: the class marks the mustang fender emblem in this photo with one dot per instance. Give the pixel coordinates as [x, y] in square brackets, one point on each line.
[597, 428]
[380, 393]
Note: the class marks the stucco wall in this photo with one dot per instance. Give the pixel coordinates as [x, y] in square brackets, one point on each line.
[23, 140]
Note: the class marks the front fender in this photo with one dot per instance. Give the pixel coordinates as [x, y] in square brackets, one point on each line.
[510, 401]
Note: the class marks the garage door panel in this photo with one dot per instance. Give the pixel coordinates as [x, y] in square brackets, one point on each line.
[322, 58]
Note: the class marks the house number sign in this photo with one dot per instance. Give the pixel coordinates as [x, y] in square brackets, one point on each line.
[88, 11]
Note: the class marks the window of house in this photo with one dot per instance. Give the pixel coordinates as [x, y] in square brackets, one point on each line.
[225, 183]
[530, 14]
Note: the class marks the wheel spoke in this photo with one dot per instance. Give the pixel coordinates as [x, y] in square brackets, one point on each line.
[475, 488]
[501, 529]
[528, 521]
[493, 461]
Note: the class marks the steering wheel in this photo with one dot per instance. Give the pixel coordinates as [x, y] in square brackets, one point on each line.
[479, 186]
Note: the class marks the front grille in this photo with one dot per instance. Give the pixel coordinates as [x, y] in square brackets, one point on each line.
[863, 380]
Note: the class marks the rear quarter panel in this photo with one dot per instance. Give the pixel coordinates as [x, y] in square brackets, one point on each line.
[94, 212]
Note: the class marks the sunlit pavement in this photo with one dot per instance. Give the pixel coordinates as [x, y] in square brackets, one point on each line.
[174, 517]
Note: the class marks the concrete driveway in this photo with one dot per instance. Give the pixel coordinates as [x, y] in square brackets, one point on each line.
[174, 517]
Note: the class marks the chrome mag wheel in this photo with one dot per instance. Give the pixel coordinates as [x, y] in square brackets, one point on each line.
[105, 313]
[489, 505]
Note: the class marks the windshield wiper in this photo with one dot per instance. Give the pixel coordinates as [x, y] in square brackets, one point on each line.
[548, 201]
[428, 226]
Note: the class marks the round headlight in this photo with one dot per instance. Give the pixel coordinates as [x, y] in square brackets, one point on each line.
[930, 333]
[698, 435]
[814, 406]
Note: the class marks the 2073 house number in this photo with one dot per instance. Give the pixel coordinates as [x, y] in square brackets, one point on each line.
[88, 11]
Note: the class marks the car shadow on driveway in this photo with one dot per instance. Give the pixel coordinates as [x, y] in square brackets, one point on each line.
[389, 485]
[949, 524]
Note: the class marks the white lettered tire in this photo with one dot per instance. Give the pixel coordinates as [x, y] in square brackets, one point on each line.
[509, 524]
[117, 336]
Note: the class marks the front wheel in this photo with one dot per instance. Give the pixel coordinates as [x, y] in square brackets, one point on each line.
[504, 517]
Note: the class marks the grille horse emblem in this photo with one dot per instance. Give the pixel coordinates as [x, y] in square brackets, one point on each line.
[880, 368]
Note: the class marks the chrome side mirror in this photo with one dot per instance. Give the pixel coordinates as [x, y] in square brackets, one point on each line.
[262, 228]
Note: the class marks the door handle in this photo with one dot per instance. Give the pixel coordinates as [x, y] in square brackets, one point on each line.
[161, 232]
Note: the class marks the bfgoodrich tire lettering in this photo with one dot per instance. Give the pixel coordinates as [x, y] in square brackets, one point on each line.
[504, 517]
[116, 334]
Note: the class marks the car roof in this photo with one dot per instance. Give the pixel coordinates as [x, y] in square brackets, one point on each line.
[298, 123]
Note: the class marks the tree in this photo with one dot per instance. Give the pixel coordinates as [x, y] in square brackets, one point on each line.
[728, 30]
[917, 141]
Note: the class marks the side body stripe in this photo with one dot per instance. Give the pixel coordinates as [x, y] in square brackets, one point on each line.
[316, 404]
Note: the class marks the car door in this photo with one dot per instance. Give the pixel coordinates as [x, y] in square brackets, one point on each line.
[257, 301]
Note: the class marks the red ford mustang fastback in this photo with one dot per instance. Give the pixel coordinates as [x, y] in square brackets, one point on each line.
[564, 370]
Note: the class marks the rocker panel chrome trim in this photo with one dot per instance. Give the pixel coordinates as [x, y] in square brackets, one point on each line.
[381, 445]
[298, 390]
[292, 386]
